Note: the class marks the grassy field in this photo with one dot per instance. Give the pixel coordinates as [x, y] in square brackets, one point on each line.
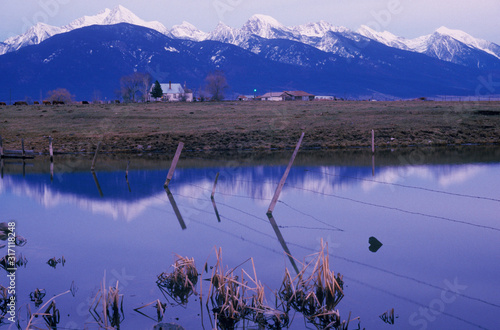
[248, 125]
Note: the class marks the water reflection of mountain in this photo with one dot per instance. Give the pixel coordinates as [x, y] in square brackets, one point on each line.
[258, 182]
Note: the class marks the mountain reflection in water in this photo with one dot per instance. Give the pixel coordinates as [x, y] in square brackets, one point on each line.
[437, 221]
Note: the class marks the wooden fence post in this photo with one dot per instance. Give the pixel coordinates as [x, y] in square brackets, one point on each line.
[95, 156]
[285, 175]
[174, 164]
[1, 147]
[373, 141]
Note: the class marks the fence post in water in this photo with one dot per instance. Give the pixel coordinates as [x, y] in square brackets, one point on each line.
[95, 156]
[1, 147]
[126, 171]
[373, 141]
[215, 185]
[22, 148]
[285, 175]
[174, 164]
[51, 150]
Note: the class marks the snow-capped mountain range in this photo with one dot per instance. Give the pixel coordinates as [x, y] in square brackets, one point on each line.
[42, 31]
[445, 44]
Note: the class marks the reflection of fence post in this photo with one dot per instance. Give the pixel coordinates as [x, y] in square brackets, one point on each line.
[176, 209]
[215, 185]
[285, 175]
[282, 241]
[126, 176]
[126, 171]
[373, 165]
[174, 164]
[97, 184]
[51, 150]
[95, 156]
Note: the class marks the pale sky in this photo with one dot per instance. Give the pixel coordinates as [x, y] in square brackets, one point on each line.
[406, 18]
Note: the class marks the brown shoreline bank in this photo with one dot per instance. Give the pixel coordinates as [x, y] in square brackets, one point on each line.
[158, 127]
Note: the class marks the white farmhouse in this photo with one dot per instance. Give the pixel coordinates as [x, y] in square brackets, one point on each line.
[173, 93]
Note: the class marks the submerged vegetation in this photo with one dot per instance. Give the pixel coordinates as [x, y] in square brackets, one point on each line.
[236, 297]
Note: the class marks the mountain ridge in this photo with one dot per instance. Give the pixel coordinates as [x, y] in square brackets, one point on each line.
[444, 43]
[94, 58]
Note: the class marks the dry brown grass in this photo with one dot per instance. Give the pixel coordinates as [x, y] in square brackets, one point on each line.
[248, 125]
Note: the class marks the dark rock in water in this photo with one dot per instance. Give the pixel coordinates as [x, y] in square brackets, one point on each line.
[375, 244]
[167, 326]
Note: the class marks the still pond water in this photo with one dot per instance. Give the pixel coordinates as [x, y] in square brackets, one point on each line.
[436, 213]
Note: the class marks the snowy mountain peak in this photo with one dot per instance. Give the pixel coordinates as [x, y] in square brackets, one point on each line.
[188, 31]
[119, 14]
[463, 37]
[318, 29]
[33, 36]
[385, 37]
[264, 20]
[264, 26]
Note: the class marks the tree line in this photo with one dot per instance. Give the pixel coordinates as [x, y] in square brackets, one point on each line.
[135, 87]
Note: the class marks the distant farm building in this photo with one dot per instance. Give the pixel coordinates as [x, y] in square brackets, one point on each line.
[298, 96]
[324, 98]
[173, 92]
[272, 96]
[287, 96]
[246, 97]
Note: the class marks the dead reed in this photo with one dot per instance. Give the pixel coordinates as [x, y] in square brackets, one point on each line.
[37, 296]
[236, 298]
[388, 316]
[180, 283]
[160, 310]
[50, 314]
[315, 292]
[111, 302]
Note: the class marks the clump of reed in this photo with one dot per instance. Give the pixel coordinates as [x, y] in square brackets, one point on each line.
[49, 313]
[228, 295]
[111, 302]
[37, 296]
[236, 298]
[9, 263]
[180, 283]
[315, 292]
[53, 262]
[388, 316]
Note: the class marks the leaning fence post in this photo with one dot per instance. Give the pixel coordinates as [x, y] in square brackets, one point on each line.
[174, 164]
[95, 156]
[285, 175]
[215, 185]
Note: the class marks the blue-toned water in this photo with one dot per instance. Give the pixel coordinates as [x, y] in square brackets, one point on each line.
[437, 220]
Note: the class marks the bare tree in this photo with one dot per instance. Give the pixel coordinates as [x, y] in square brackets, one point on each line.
[135, 87]
[216, 85]
[60, 95]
